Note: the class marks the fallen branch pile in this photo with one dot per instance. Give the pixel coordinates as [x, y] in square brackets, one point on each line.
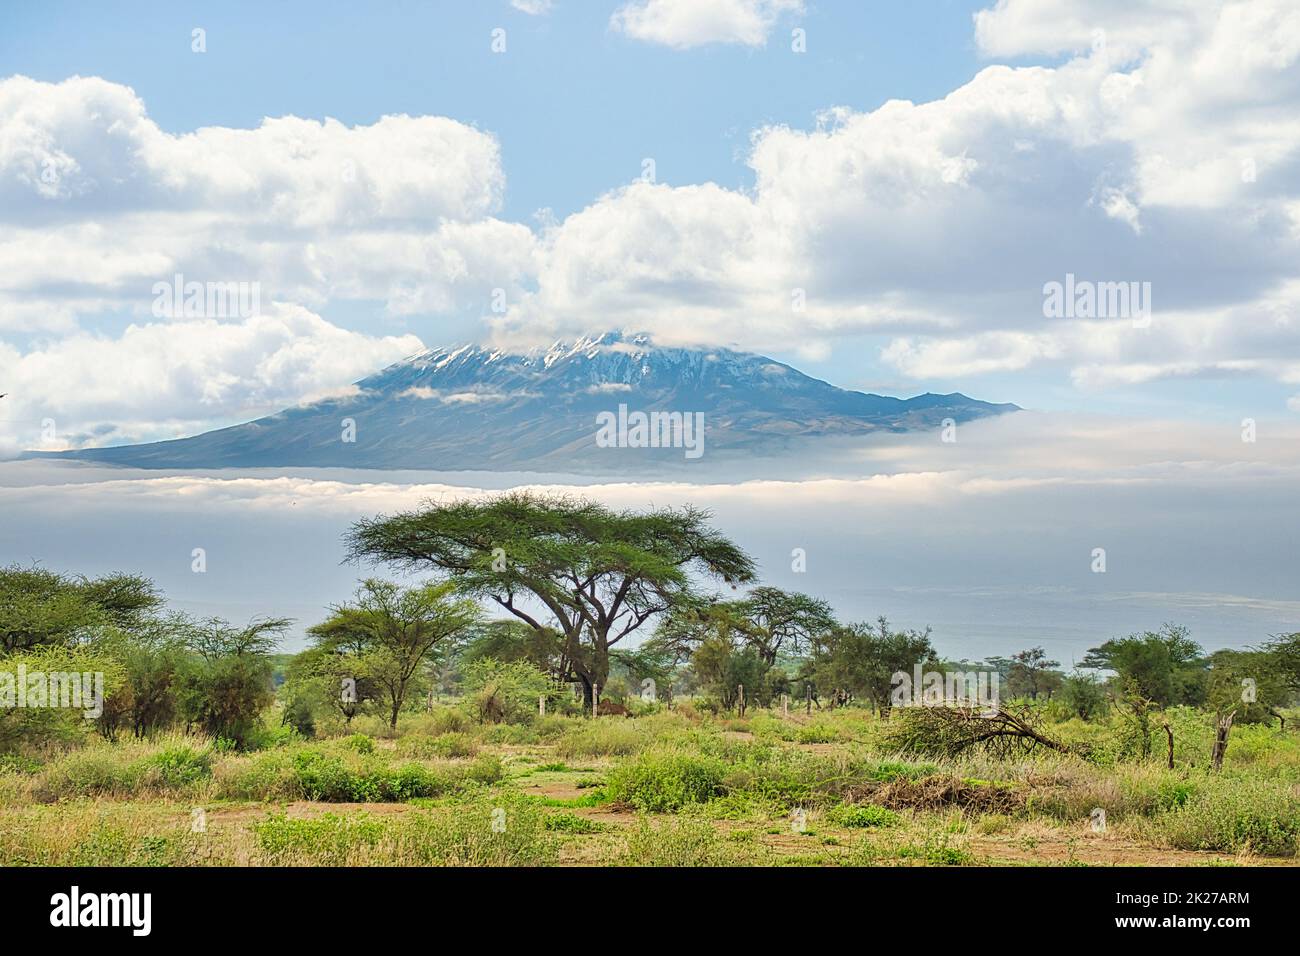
[951, 731]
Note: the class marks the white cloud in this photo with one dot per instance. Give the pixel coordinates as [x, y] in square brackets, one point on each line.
[987, 352]
[988, 539]
[534, 8]
[940, 222]
[97, 203]
[1024, 27]
[683, 24]
[166, 379]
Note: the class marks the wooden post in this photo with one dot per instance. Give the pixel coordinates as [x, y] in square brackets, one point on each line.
[541, 705]
[740, 698]
[785, 705]
[595, 699]
[809, 699]
[1222, 729]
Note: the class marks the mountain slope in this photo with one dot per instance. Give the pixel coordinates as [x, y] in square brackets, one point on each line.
[482, 409]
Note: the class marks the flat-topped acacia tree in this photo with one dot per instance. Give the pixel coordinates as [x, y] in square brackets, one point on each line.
[591, 573]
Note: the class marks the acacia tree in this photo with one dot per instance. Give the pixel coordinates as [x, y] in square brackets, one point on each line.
[1245, 685]
[391, 632]
[1284, 650]
[757, 629]
[771, 620]
[40, 607]
[227, 686]
[592, 574]
[1164, 667]
[859, 659]
[1032, 673]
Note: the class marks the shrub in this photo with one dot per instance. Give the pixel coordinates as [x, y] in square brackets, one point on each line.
[180, 766]
[95, 771]
[454, 744]
[360, 743]
[1234, 816]
[664, 780]
[487, 769]
[268, 776]
[862, 815]
[505, 691]
[602, 737]
[322, 777]
[936, 850]
[509, 734]
[328, 778]
[448, 720]
[817, 734]
[572, 823]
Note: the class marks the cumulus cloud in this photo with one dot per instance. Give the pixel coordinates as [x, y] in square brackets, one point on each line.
[97, 203]
[1153, 147]
[683, 24]
[1023, 27]
[167, 379]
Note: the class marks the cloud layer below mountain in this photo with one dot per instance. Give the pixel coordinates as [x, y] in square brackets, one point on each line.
[991, 540]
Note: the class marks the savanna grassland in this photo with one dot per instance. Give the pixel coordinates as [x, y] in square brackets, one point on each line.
[414, 729]
[678, 787]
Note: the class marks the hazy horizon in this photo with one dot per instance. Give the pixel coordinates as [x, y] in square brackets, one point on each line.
[987, 540]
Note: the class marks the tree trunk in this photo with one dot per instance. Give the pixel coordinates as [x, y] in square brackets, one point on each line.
[1169, 732]
[1224, 727]
[587, 704]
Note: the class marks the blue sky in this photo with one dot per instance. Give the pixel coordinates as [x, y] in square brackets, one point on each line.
[575, 105]
[922, 233]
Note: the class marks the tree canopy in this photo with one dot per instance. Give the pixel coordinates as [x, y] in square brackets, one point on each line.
[590, 573]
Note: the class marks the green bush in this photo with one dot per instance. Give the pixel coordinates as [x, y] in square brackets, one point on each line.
[1236, 815]
[817, 734]
[602, 737]
[487, 769]
[455, 745]
[664, 780]
[450, 744]
[322, 776]
[180, 766]
[328, 778]
[572, 823]
[360, 743]
[95, 771]
[862, 815]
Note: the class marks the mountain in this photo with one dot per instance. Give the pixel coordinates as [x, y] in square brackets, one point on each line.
[474, 408]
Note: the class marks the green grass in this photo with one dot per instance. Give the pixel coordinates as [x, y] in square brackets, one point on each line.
[703, 796]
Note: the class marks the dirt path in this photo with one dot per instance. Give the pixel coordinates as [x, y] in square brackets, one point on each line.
[1059, 849]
